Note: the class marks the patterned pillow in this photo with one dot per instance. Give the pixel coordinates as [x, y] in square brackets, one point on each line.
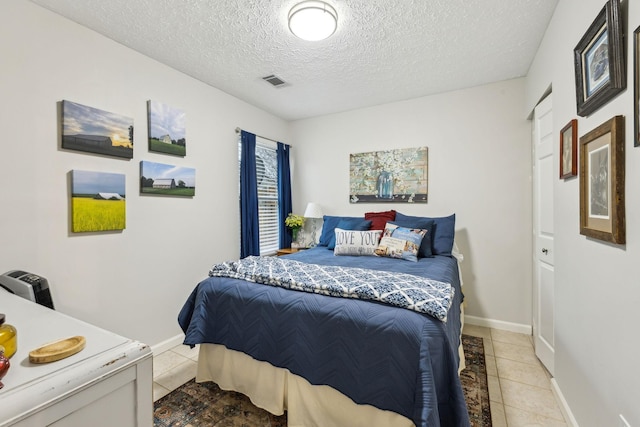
[400, 242]
[424, 224]
[356, 243]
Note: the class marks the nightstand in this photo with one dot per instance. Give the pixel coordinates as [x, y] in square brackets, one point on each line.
[287, 251]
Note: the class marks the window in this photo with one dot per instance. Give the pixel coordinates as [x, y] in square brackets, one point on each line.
[267, 180]
[267, 172]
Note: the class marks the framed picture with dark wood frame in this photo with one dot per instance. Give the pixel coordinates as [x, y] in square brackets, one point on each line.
[602, 207]
[636, 80]
[569, 150]
[599, 61]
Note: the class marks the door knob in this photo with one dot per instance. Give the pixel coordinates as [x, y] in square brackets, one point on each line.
[545, 251]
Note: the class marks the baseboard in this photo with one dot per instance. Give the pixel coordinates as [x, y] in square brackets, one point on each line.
[498, 324]
[167, 344]
[564, 406]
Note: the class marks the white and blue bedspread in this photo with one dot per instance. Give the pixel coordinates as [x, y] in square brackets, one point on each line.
[378, 354]
[408, 291]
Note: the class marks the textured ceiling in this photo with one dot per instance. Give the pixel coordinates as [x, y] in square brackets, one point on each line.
[382, 51]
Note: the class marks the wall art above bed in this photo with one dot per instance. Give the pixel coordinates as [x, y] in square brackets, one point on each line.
[392, 176]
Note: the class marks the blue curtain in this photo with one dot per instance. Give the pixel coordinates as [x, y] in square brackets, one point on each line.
[249, 227]
[284, 193]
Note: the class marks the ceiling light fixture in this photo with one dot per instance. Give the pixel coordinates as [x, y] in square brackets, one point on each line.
[313, 20]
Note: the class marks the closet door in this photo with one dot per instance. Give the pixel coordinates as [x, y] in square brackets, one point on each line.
[543, 252]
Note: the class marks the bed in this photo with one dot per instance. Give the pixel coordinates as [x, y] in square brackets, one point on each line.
[329, 360]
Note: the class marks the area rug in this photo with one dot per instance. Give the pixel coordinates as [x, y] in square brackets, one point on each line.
[206, 405]
[474, 382]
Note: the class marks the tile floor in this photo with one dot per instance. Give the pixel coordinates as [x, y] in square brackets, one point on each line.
[173, 368]
[519, 387]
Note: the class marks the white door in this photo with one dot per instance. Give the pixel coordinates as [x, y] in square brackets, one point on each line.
[543, 253]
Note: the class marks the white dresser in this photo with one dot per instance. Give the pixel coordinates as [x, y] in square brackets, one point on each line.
[108, 383]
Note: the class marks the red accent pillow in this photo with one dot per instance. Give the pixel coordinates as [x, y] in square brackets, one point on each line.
[380, 219]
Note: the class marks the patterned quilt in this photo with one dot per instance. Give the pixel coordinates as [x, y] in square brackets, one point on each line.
[415, 293]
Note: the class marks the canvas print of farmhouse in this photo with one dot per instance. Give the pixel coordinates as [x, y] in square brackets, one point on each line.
[96, 131]
[158, 178]
[97, 201]
[166, 129]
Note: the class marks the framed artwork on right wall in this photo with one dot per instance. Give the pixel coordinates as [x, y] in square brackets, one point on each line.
[569, 150]
[599, 60]
[636, 80]
[602, 170]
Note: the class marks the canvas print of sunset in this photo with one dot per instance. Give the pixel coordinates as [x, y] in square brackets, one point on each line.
[96, 131]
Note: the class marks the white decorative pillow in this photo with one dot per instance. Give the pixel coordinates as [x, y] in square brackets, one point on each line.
[400, 242]
[356, 243]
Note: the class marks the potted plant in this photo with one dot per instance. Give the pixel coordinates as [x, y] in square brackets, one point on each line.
[294, 223]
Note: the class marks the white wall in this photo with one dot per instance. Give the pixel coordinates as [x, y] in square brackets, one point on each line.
[597, 292]
[479, 169]
[135, 281]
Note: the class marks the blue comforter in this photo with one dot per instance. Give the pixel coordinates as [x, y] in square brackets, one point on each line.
[388, 357]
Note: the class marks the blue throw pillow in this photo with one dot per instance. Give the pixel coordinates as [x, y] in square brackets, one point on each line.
[357, 224]
[444, 231]
[422, 224]
[329, 226]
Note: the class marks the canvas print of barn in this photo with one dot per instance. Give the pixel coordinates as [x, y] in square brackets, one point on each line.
[166, 129]
[158, 178]
[97, 201]
[96, 131]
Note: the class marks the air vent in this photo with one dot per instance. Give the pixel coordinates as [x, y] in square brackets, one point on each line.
[274, 80]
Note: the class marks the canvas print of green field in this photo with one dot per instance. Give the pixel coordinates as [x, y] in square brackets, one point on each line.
[97, 201]
[166, 129]
[92, 130]
[168, 180]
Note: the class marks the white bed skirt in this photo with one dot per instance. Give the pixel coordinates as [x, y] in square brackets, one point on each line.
[277, 389]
